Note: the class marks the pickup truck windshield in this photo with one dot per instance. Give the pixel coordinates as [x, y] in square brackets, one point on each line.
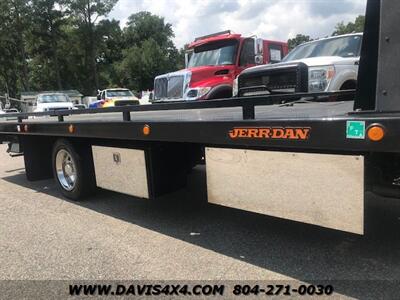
[52, 98]
[349, 46]
[119, 93]
[214, 54]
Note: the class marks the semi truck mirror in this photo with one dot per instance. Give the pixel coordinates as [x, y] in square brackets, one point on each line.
[186, 60]
[258, 50]
[188, 55]
[258, 59]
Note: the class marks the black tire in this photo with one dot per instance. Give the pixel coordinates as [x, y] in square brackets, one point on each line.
[85, 182]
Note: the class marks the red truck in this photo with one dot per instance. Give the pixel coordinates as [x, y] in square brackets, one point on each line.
[212, 64]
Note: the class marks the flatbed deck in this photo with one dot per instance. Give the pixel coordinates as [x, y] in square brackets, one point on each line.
[262, 113]
[212, 122]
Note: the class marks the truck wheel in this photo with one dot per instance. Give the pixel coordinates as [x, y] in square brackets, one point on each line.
[73, 169]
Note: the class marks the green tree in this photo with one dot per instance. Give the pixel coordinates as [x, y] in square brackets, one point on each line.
[8, 71]
[149, 51]
[47, 22]
[15, 22]
[75, 72]
[109, 51]
[351, 27]
[144, 25]
[141, 64]
[20, 12]
[298, 40]
[86, 14]
[179, 58]
[70, 44]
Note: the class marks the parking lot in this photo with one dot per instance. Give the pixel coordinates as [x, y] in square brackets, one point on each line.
[180, 237]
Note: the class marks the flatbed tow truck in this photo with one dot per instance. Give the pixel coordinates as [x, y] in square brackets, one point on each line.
[293, 156]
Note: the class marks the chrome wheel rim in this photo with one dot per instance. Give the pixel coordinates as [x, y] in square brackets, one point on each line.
[66, 170]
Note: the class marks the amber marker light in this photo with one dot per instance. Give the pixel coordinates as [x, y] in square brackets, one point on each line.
[146, 129]
[376, 132]
[71, 128]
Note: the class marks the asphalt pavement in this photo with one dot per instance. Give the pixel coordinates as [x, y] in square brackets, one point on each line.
[181, 237]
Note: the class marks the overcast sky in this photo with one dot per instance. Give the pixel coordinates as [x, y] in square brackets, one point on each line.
[270, 19]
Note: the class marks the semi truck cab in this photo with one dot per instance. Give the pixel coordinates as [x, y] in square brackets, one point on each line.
[212, 64]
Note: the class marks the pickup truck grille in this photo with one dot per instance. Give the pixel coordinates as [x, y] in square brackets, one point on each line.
[169, 87]
[57, 108]
[291, 78]
[125, 102]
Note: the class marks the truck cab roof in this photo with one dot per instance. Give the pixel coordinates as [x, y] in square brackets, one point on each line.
[331, 37]
[115, 89]
[229, 36]
[56, 94]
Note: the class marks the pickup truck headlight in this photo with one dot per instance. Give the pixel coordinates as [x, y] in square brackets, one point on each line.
[319, 78]
[235, 87]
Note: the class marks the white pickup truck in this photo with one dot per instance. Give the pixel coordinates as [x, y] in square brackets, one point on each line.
[329, 64]
[114, 97]
[53, 102]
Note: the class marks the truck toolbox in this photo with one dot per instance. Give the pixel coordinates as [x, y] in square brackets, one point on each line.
[122, 170]
[329, 192]
[141, 170]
